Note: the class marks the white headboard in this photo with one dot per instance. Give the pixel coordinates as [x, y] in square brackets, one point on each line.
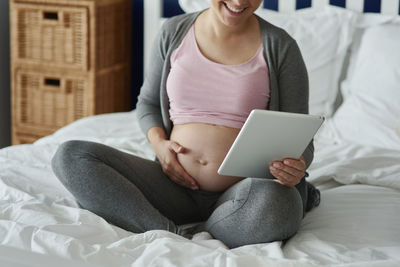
[154, 13]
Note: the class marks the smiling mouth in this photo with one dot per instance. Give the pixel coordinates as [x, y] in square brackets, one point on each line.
[233, 9]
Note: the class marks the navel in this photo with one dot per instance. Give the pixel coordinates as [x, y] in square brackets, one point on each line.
[202, 162]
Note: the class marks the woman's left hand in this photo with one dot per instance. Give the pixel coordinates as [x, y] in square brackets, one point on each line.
[288, 172]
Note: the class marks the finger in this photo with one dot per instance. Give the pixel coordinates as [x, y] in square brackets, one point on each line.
[282, 183]
[289, 178]
[183, 175]
[295, 163]
[185, 183]
[169, 170]
[278, 181]
[174, 168]
[284, 177]
[177, 148]
[178, 177]
[288, 169]
[286, 183]
[189, 180]
[178, 180]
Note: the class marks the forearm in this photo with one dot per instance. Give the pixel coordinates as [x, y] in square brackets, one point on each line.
[155, 135]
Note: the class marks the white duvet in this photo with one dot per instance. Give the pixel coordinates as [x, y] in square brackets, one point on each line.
[357, 223]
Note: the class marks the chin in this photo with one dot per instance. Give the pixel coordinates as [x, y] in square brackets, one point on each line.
[232, 15]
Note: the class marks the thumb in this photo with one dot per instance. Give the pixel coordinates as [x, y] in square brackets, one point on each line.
[177, 148]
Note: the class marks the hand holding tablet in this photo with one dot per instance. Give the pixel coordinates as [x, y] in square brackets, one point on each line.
[268, 136]
[288, 172]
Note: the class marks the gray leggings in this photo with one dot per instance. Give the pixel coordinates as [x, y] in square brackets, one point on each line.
[134, 193]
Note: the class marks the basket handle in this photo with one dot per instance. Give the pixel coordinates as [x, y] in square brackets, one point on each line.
[52, 82]
[50, 15]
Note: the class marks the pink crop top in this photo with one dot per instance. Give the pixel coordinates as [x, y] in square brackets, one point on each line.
[201, 90]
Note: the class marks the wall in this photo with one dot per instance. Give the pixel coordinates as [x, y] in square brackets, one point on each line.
[5, 119]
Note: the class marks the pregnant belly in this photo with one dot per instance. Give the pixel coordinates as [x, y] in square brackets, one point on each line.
[205, 148]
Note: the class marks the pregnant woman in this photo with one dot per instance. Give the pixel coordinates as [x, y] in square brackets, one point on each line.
[208, 70]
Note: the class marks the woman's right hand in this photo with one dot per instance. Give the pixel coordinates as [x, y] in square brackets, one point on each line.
[166, 151]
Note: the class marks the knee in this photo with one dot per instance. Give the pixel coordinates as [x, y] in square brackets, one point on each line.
[65, 152]
[65, 157]
[278, 212]
[271, 212]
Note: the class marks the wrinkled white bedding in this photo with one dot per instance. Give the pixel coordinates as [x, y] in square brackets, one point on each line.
[357, 223]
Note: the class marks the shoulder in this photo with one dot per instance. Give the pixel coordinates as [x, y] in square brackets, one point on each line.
[173, 31]
[280, 47]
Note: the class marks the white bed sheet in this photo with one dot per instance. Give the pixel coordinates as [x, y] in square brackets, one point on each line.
[355, 225]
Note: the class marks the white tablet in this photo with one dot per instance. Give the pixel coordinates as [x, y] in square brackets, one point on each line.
[267, 136]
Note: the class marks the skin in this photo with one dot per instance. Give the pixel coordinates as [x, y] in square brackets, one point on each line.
[226, 38]
[167, 151]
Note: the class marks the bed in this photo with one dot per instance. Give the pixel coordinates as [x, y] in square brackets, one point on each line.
[353, 63]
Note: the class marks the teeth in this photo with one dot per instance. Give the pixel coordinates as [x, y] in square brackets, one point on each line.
[231, 8]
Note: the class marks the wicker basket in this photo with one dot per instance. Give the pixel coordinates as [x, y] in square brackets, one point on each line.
[44, 101]
[70, 34]
[47, 34]
[69, 59]
[48, 100]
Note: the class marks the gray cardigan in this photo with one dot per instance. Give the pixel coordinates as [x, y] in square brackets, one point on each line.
[288, 74]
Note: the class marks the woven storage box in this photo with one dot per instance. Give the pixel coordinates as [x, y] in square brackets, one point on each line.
[70, 34]
[69, 59]
[44, 101]
[45, 35]
[48, 100]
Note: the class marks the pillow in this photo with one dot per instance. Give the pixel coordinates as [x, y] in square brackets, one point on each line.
[370, 113]
[324, 36]
[364, 22]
